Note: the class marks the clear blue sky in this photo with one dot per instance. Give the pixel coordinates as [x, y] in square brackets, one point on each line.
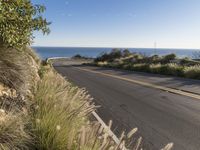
[122, 23]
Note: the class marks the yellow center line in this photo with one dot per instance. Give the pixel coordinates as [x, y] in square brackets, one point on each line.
[174, 91]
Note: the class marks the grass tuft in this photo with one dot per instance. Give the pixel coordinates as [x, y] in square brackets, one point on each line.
[60, 111]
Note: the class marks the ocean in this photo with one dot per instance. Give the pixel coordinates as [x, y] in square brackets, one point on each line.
[47, 52]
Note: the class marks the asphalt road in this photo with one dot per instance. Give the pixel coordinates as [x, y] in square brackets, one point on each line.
[161, 117]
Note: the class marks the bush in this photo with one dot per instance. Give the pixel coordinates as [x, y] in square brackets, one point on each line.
[126, 53]
[172, 69]
[155, 68]
[18, 20]
[141, 67]
[115, 53]
[78, 56]
[102, 64]
[103, 57]
[192, 72]
[110, 57]
[189, 62]
[168, 58]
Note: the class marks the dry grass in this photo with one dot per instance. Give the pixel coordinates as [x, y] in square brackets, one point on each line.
[60, 111]
[13, 134]
[17, 77]
[18, 69]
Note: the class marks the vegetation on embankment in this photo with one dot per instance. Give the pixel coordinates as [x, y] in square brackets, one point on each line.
[41, 110]
[166, 65]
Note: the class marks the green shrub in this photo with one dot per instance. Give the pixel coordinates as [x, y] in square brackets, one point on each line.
[102, 64]
[168, 58]
[192, 72]
[114, 54]
[155, 68]
[127, 66]
[138, 57]
[189, 62]
[18, 20]
[172, 69]
[141, 67]
[126, 53]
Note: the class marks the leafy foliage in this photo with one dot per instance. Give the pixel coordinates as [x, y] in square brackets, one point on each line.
[18, 20]
[169, 57]
[114, 54]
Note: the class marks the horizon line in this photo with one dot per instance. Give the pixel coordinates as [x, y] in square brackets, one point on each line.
[114, 47]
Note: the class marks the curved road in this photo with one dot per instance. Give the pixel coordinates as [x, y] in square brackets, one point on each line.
[161, 117]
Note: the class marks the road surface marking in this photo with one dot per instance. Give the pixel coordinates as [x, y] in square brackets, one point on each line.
[174, 91]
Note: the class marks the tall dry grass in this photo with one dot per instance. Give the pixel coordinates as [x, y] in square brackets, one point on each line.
[60, 111]
[18, 69]
[18, 73]
[13, 132]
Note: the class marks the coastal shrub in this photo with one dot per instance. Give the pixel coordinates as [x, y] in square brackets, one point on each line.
[192, 72]
[155, 68]
[138, 58]
[18, 20]
[168, 58]
[126, 53]
[141, 67]
[174, 69]
[102, 63]
[155, 59]
[101, 58]
[189, 62]
[77, 56]
[115, 54]
[127, 66]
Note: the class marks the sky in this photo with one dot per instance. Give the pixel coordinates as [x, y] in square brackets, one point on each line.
[122, 23]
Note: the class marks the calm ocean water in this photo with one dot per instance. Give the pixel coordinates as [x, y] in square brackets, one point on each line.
[46, 52]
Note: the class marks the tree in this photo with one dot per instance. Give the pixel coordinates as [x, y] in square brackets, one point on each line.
[169, 57]
[18, 20]
[126, 53]
[115, 53]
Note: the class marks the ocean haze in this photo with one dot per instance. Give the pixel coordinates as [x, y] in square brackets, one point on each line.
[46, 52]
